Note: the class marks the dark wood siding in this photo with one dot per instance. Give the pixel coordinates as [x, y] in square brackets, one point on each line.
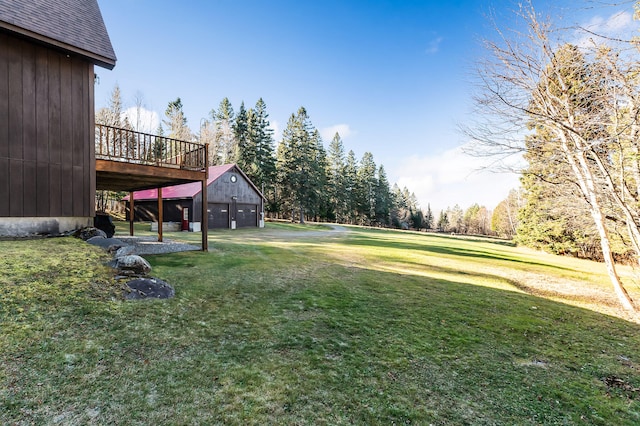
[46, 132]
[218, 216]
[222, 190]
[247, 215]
[147, 211]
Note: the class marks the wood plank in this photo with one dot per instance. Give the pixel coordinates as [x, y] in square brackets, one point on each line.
[145, 170]
[16, 188]
[15, 100]
[42, 106]
[204, 224]
[66, 122]
[42, 189]
[132, 212]
[55, 189]
[4, 186]
[78, 140]
[4, 98]
[90, 152]
[29, 188]
[79, 199]
[54, 105]
[160, 214]
[66, 187]
[29, 141]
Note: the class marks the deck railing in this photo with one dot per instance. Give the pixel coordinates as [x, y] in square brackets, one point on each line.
[117, 144]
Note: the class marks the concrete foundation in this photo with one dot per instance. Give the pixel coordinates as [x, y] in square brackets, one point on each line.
[38, 226]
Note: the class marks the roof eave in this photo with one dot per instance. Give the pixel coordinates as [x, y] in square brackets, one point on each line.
[99, 60]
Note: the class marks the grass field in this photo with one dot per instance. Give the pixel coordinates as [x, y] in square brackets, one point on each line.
[313, 325]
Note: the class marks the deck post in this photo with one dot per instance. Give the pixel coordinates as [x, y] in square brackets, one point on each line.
[204, 223]
[160, 218]
[131, 213]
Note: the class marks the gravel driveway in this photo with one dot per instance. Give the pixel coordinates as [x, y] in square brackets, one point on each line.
[150, 245]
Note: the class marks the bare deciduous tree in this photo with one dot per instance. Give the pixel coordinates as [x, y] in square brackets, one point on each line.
[579, 105]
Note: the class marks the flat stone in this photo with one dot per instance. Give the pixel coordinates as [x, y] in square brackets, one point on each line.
[148, 288]
[89, 232]
[105, 243]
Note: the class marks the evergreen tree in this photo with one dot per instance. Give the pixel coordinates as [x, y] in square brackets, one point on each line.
[245, 151]
[224, 136]
[383, 199]
[336, 180]
[428, 218]
[300, 166]
[351, 186]
[367, 183]
[261, 135]
[443, 221]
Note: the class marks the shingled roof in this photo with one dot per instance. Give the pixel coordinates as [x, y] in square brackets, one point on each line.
[75, 26]
[189, 190]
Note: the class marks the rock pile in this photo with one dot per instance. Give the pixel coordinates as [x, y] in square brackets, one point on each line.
[129, 266]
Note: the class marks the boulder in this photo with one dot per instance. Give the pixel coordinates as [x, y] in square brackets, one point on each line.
[148, 288]
[104, 222]
[132, 264]
[125, 251]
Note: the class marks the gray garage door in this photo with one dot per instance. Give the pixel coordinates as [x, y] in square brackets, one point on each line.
[247, 215]
[218, 216]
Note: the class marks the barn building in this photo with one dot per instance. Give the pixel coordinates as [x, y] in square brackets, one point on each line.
[48, 50]
[233, 202]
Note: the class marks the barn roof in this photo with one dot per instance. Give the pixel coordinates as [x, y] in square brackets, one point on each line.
[75, 26]
[189, 190]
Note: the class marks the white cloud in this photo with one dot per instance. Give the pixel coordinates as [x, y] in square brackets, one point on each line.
[618, 25]
[434, 45]
[329, 132]
[277, 133]
[453, 177]
[148, 122]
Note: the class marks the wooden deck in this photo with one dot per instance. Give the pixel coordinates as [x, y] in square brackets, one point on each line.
[132, 161]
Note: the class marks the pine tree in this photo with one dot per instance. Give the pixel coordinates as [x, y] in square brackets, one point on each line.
[300, 176]
[245, 150]
[367, 183]
[224, 136]
[351, 187]
[262, 141]
[428, 218]
[383, 198]
[336, 181]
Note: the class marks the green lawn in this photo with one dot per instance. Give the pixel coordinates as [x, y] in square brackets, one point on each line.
[307, 325]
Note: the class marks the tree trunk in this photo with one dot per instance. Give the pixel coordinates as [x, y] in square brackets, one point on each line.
[621, 292]
[580, 165]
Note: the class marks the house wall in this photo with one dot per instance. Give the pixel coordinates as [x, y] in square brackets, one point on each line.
[47, 166]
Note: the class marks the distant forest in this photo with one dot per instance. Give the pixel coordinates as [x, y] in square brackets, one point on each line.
[300, 179]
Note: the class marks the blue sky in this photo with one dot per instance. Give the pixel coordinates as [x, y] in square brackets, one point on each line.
[393, 77]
